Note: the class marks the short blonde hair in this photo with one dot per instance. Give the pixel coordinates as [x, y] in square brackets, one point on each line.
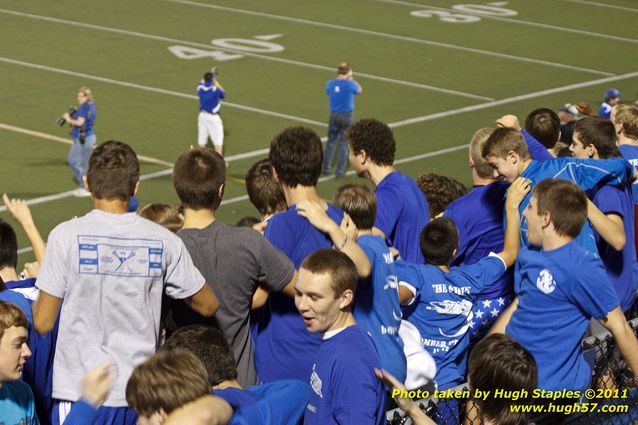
[11, 315]
[626, 114]
[483, 169]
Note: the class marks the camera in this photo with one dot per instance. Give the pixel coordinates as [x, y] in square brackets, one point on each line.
[72, 110]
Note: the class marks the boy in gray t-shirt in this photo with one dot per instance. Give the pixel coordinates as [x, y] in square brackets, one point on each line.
[237, 260]
[108, 270]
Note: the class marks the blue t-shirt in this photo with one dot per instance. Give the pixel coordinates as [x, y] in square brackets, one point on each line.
[478, 215]
[630, 153]
[88, 112]
[238, 398]
[284, 349]
[341, 94]
[444, 314]
[621, 266]
[559, 292]
[345, 390]
[376, 306]
[587, 173]
[209, 97]
[605, 110]
[402, 212]
[280, 403]
[16, 404]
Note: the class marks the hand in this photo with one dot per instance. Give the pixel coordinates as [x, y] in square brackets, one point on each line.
[260, 227]
[316, 215]
[406, 404]
[585, 108]
[31, 270]
[19, 210]
[349, 228]
[509, 121]
[96, 384]
[517, 192]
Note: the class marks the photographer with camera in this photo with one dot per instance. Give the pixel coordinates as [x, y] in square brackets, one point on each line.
[81, 120]
[209, 122]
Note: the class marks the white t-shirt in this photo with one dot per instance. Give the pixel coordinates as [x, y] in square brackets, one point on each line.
[111, 270]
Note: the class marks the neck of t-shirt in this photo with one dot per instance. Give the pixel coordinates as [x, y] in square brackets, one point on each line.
[379, 172]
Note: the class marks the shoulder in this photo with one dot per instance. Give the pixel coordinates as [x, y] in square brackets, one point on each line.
[19, 392]
[355, 342]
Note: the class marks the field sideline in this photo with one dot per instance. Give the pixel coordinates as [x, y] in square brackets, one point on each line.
[435, 71]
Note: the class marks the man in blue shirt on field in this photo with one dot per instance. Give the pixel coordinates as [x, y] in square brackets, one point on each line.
[341, 91]
[402, 209]
[209, 122]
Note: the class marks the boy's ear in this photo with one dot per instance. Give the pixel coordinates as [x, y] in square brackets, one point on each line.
[221, 190]
[86, 184]
[346, 299]
[546, 219]
[512, 157]
[137, 188]
[274, 174]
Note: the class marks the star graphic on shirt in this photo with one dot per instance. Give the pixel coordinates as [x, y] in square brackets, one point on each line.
[471, 323]
[494, 312]
[484, 323]
[487, 303]
[479, 314]
[501, 301]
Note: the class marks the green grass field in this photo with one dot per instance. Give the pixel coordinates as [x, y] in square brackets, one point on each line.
[434, 70]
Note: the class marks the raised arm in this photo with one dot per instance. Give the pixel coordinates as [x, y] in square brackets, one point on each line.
[21, 213]
[515, 195]
[343, 237]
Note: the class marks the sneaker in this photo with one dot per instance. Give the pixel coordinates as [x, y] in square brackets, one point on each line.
[80, 192]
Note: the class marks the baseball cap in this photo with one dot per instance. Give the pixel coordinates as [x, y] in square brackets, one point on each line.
[613, 93]
[570, 109]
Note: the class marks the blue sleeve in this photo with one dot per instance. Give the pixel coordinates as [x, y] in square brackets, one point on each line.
[354, 87]
[353, 386]
[536, 148]
[608, 200]
[328, 87]
[82, 413]
[408, 273]
[388, 210]
[593, 291]
[482, 274]
[591, 173]
[282, 403]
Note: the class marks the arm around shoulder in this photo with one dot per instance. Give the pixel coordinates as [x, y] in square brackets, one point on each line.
[45, 312]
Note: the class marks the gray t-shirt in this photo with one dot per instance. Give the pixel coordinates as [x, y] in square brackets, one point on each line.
[234, 260]
[111, 270]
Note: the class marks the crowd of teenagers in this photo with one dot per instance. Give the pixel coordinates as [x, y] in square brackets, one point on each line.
[313, 312]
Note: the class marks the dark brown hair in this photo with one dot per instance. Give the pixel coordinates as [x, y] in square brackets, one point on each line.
[166, 380]
[438, 239]
[544, 125]
[565, 202]
[198, 175]
[113, 171]
[439, 191]
[166, 215]
[263, 190]
[599, 132]
[373, 137]
[499, 362]
[296, 156]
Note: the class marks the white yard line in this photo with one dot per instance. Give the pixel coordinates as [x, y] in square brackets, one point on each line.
[156, 90]
[513, 99]
[53, 138]
[515, 21]
[609, 6]
[331, 69]
[393, 37]
[396, 124]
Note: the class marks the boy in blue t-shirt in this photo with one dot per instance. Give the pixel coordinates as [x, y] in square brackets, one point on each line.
[560, 289]
[445, 294]
[344, 386]
[402, 209]
[284, 349]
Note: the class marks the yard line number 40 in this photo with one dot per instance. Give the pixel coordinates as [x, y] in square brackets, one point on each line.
[232, 48]
[490, 9]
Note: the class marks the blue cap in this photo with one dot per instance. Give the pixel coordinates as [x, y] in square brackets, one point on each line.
[613, 93]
